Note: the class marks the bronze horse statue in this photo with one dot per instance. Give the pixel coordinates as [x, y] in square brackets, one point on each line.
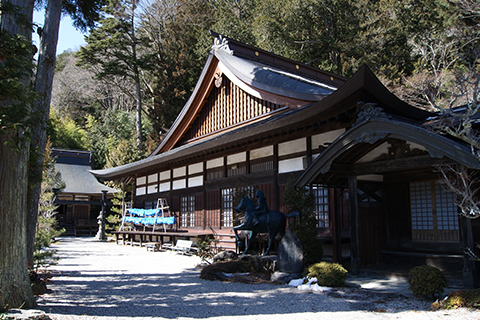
[272, 222]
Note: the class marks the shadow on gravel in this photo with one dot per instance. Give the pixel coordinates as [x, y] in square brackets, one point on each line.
[185, 295]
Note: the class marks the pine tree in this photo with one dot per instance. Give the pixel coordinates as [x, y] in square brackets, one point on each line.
[115, 50]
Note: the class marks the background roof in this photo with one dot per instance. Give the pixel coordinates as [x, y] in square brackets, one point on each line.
[74, 166]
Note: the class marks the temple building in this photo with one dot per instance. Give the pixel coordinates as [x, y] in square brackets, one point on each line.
[260, 121]
[79, 202]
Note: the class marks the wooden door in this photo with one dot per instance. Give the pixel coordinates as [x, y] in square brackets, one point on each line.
[69, 218]
[372, 233]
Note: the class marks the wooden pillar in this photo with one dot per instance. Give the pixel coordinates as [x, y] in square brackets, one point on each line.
[309, 157]
[335, 198]
[354, 228]
[469, 272]
[204, 192]
[276, 191]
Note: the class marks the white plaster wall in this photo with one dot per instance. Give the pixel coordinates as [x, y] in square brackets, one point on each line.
[180, 172]
[152, 189]
[140, 191]
[327, 137]
[195, 168]
[141, 180]
[164, 186]
[236, 158]
[165, 175]
[179, 184]
[215, 163]
[414, 145]
[290, 165]
[294, 146]
[153, 178]
[195, 181]
[383, 148]
[261, 153]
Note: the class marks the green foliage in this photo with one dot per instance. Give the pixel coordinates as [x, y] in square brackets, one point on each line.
[112, 45]
[44, 237]
[16, 69]
[113, 222]
[235, 19]
[327, 274]
[114, 50]
[207, 247]
[124, 152]
[306, 227]
[46, 229]
[112, 138]
[426, 281]
[178, 38]
[119, 200]
[65, 133]
[469, 298]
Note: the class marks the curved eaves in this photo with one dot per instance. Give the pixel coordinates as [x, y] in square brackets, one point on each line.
[274, 80]
[377, 129]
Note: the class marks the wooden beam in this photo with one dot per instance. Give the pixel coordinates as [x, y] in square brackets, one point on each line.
[354, 227]
[378, 167]
[97, 203]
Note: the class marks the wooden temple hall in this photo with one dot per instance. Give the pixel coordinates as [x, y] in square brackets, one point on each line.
[262, 121]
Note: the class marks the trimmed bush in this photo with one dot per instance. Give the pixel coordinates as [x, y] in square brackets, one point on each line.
[328, 274]
[305, 228]
[426, 281]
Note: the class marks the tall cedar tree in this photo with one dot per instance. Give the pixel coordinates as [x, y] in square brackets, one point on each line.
[115, 49]
[83, 13]
[16, 55]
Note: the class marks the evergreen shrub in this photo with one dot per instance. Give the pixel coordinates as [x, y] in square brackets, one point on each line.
[207, 247]
[305, 227]
[328, 274]
[426, 281]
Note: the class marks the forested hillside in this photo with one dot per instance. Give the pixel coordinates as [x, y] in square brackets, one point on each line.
[121, 92]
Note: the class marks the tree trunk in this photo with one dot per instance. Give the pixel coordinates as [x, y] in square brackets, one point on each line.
[43, 87]
[139, 112]
[15, 289]
[138, 92]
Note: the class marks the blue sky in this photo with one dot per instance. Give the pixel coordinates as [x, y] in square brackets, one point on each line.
[68, 38]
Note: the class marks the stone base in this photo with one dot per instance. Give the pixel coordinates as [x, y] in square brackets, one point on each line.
[285, 277]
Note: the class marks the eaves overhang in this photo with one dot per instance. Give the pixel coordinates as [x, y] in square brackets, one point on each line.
[340, 104]
[373, 130]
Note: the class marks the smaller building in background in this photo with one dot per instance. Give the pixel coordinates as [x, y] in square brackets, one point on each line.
[78, 209]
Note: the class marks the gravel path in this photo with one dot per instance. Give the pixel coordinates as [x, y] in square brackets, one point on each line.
[98, 280]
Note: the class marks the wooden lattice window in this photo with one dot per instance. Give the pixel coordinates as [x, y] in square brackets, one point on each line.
[187, 212]
[148, 204]
[238, 169]
[227, 207]
[217, 173]
[434, 213]
[321, 208]
[261, 166]
[229, 195]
